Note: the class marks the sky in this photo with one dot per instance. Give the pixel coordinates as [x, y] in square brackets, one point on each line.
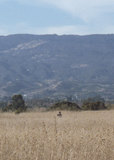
[79, 17]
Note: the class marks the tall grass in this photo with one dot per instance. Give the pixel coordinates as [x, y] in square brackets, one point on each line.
[44, 136]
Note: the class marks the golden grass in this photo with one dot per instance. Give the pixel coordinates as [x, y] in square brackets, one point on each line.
[44, 136]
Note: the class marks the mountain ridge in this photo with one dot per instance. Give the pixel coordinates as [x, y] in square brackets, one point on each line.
[52, 65]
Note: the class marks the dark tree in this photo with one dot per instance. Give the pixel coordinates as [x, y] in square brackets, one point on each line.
[17, 104]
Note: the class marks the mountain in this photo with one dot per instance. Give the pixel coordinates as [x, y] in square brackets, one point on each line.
[52, 65]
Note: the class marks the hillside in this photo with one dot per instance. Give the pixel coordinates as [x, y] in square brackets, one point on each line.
[52, 65]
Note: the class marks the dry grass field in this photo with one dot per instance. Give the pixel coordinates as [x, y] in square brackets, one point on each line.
[44, 136]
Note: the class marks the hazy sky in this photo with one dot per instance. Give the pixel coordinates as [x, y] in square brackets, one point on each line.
[56, 16]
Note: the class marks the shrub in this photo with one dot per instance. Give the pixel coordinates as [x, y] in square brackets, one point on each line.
[65, 106]
[93, 105]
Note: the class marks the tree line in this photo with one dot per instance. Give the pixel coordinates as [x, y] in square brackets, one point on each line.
[17, 104]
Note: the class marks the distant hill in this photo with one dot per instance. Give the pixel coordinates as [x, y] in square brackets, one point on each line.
[52, 65]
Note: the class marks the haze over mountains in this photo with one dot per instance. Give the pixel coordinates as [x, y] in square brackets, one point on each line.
[52, 65]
